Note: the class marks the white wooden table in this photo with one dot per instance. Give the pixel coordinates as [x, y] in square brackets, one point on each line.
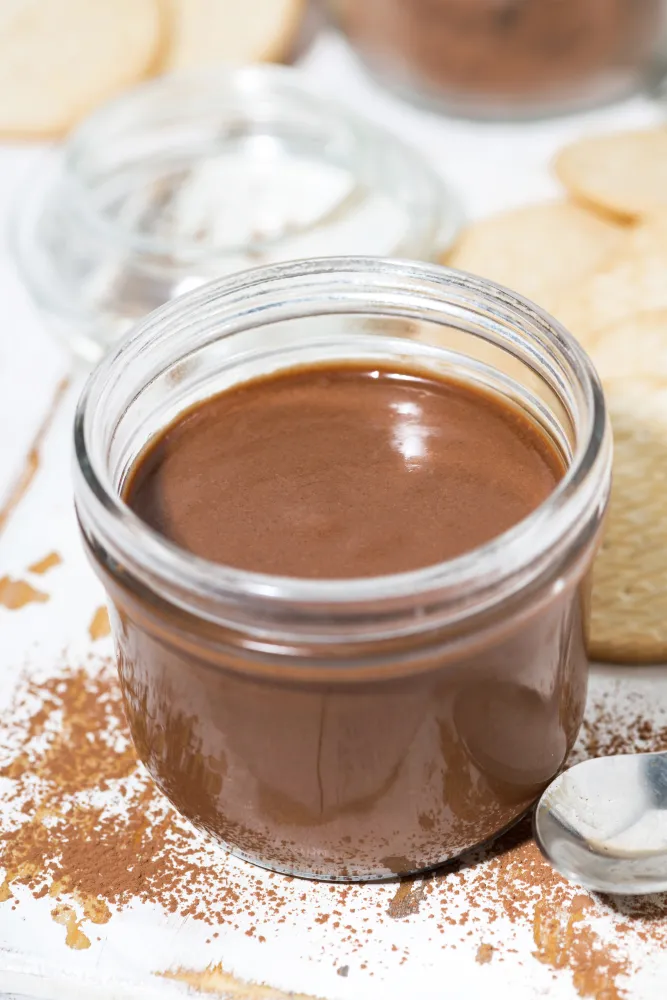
[429, 952]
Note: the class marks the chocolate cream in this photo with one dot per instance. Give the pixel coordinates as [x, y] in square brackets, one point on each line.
[514, 51]
[345, 472]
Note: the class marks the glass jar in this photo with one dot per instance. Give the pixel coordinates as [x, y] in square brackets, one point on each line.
[509, 58]
[197, 175]
[365, 728]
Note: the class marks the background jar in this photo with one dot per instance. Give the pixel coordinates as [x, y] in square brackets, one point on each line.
[510, 58]
[198, 175]
[363, 728]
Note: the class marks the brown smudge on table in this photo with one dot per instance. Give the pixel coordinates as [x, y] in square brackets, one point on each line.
[15, 594]
[564, 941]
[66, 916]
[32, 460]
[95, 910]
[407, 898]
[42, 566]
[99, 627]
[214, 980]
[484, 953]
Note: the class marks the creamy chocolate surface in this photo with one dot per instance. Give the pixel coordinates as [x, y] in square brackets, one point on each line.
[343, 471]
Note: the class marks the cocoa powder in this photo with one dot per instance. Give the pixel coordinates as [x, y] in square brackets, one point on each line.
[83, 825]
[71, 839]
[32, 460]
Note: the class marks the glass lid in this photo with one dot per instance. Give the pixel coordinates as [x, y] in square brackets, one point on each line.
[195, 176]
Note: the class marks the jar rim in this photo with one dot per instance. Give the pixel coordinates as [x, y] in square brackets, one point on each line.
[459, 586]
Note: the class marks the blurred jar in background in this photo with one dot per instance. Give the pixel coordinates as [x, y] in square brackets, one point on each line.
[509, 58]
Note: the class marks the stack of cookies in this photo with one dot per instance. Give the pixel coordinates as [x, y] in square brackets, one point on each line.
[60, 59]
[597, 260]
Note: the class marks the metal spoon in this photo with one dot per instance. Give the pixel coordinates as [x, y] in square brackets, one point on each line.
[603, 823]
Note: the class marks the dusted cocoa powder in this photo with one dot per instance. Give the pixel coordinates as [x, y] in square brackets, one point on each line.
[83, 826]
[89, 824]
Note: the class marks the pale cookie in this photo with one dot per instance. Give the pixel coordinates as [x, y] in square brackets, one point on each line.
[538, 250]
[210, 32]
[635, 347]
[59, 60]
[632, 283]
[624, 173]
[650, 236]
[629, 599]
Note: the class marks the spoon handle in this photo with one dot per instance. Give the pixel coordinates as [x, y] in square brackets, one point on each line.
[655, 780]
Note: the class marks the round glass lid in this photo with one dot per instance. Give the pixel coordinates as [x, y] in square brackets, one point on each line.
[195, 176]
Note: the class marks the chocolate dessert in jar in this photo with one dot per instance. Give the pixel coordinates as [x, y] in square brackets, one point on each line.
[344, 511]
[509, 58]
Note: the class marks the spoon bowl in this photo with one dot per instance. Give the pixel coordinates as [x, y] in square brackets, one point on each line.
[603, 823]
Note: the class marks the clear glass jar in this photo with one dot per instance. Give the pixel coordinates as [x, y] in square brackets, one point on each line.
[510, 58]
[198, 175]
[366, 728]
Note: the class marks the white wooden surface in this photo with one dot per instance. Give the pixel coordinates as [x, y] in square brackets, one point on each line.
[493, 166]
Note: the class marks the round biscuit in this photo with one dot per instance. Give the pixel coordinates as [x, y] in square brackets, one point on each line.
[624, 173]
[59, 60]
[209, 32]
[634, 347]
[538, 250]
[650, 236]
[629, 595]
[630, 283]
